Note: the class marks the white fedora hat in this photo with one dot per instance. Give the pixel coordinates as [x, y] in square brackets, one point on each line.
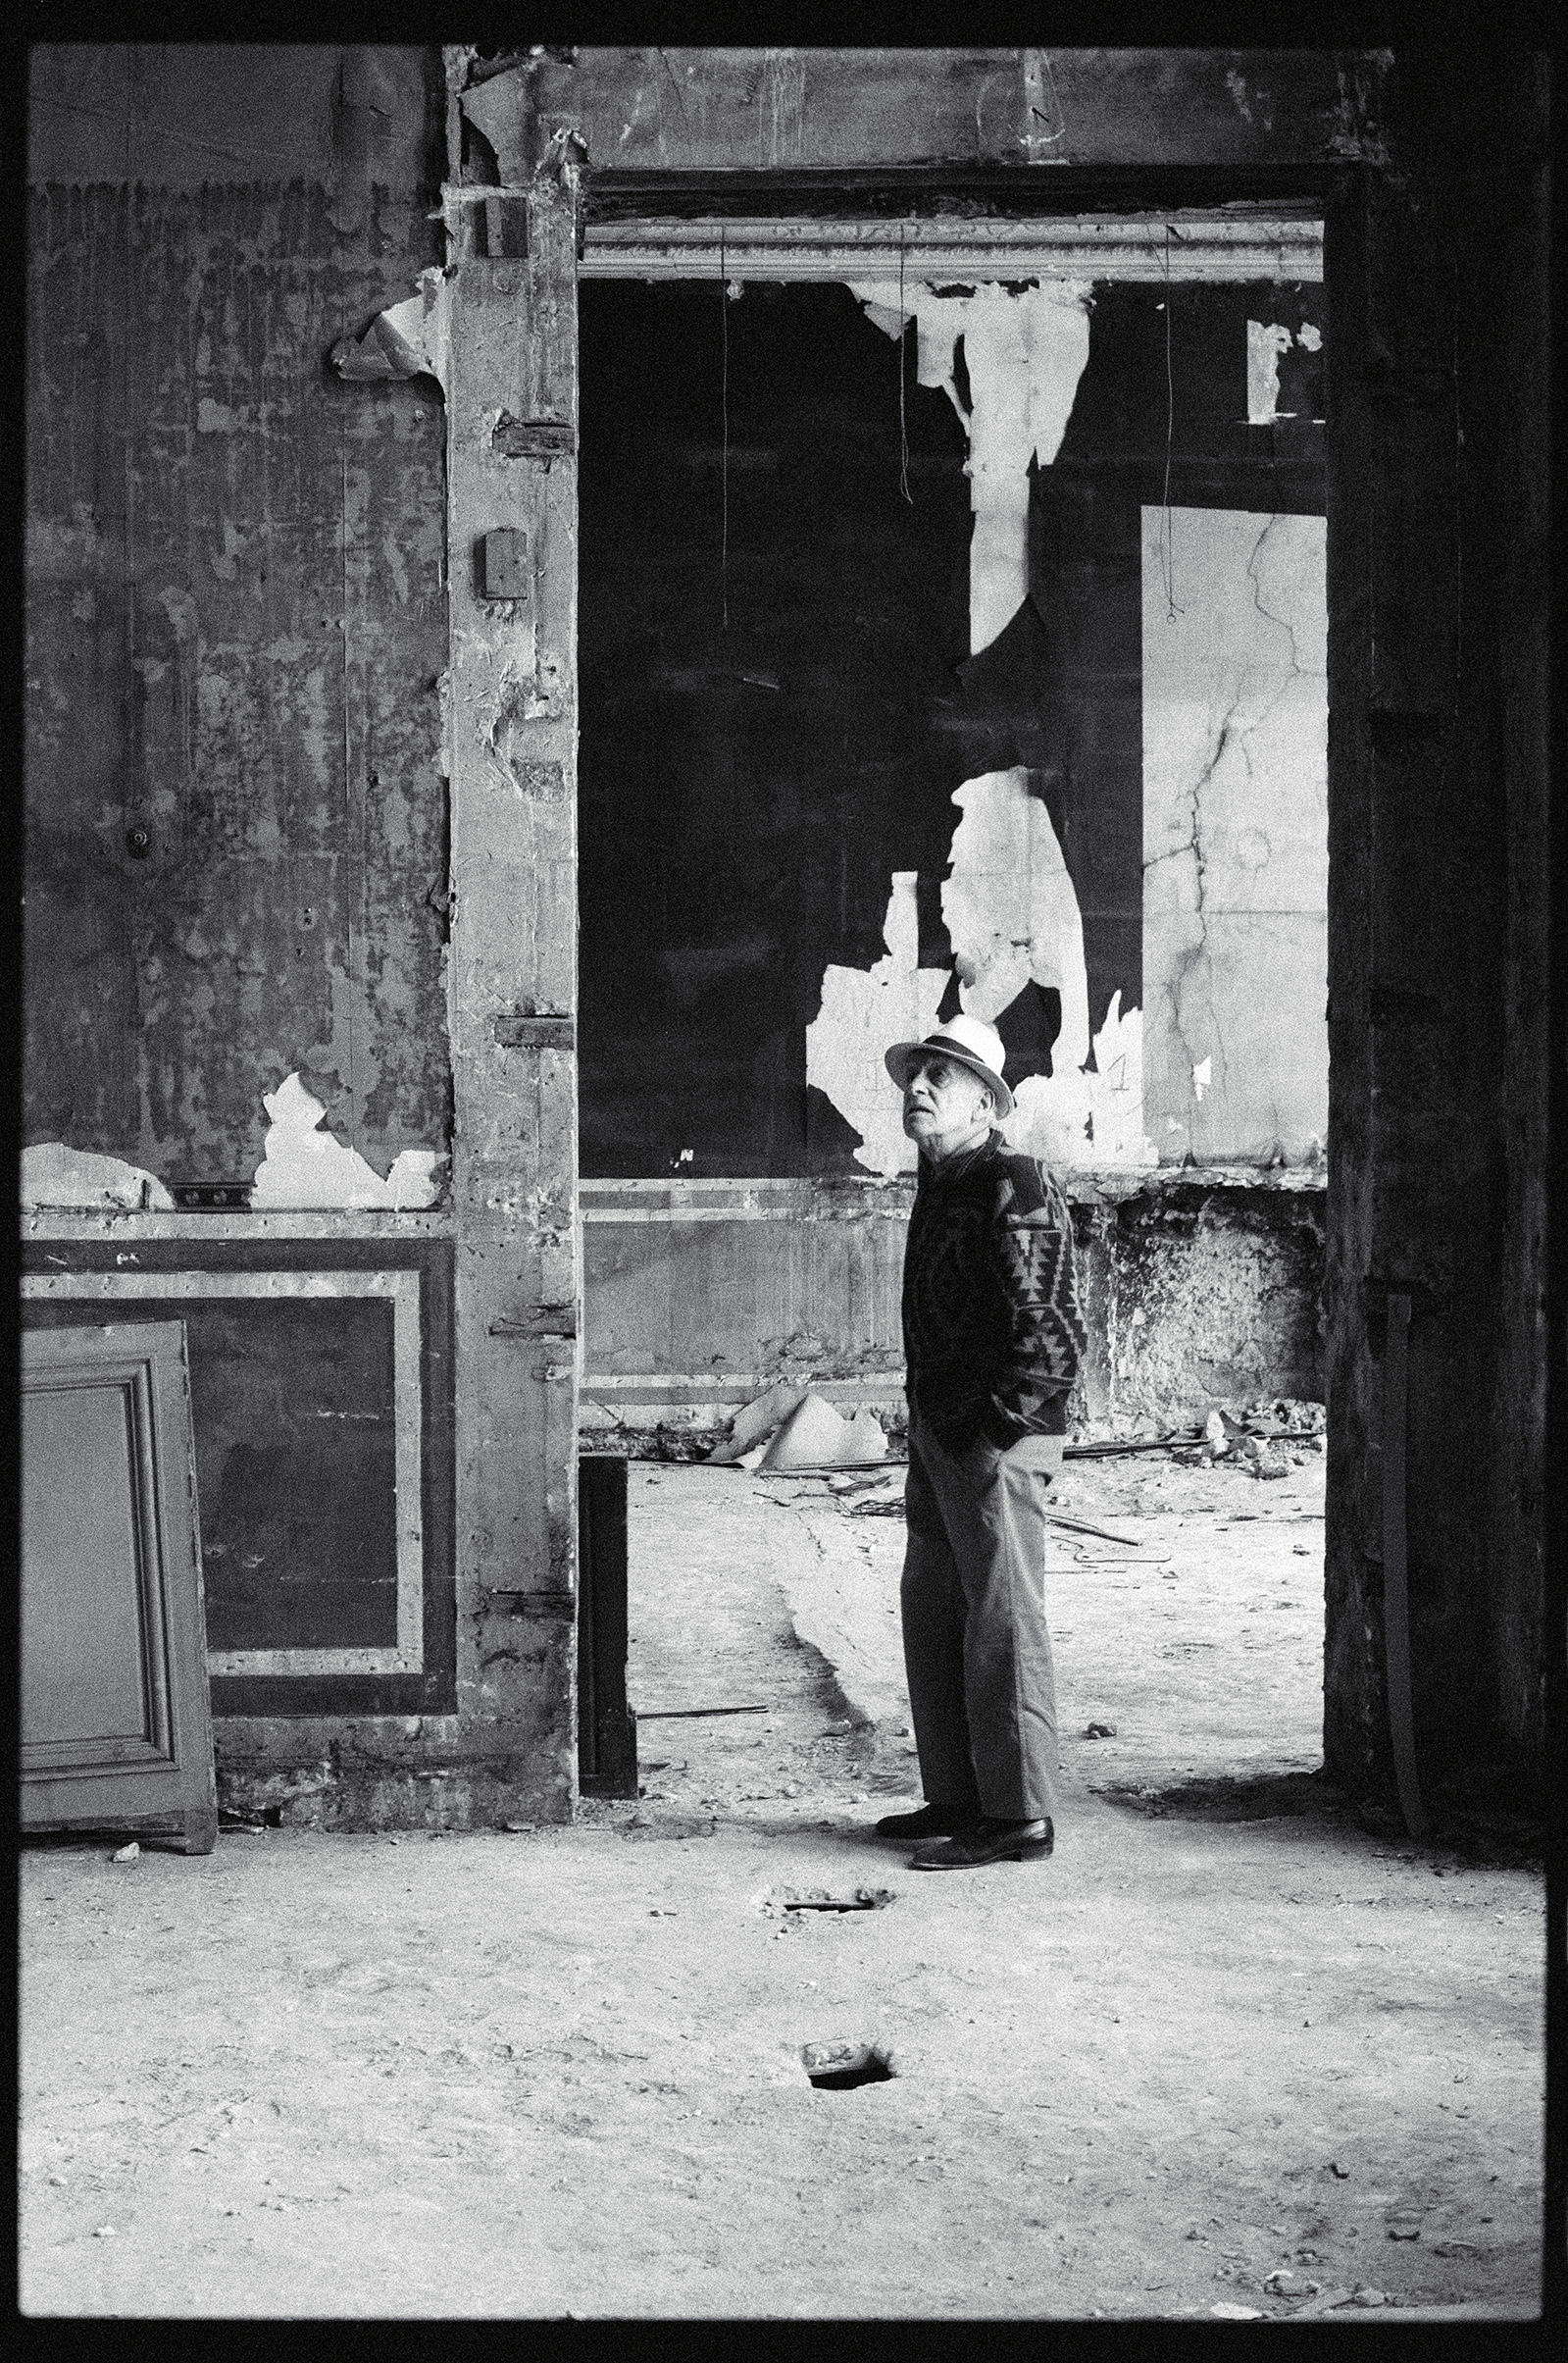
[968, 1040]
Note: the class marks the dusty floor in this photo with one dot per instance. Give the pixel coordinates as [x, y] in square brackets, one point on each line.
[1229, 2032]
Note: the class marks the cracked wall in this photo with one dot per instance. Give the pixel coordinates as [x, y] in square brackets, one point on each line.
[1236, 1053]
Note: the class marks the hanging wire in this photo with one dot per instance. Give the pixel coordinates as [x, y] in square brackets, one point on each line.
[1167, 550]
[723, 463]
[903, 432]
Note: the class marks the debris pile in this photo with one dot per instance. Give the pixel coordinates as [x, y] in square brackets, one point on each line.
[791, 1428]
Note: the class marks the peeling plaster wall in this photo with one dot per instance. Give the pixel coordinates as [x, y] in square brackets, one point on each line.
[752, 784]
[834, 813]
[862, 1011]
[1023, 353]
[236, 614]
[1236, 836]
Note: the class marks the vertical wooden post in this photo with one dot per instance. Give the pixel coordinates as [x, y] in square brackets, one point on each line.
[512, 463]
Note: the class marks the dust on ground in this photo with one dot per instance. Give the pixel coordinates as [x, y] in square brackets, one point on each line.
[1235, 2045]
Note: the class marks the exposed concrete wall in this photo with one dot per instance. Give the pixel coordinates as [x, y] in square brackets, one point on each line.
[663, 112]
[1200, 1288]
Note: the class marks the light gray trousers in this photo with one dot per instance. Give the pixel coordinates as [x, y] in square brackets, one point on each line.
[976, 1648]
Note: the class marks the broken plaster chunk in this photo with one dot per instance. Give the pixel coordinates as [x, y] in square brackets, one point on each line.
[757, 1420]
[816, 1436]
[302, 1166]
[55, 1175]
[864, 1441]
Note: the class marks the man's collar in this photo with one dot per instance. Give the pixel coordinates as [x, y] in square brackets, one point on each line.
[960, 1162]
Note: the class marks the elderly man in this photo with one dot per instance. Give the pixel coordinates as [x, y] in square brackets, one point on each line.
[992, 1340]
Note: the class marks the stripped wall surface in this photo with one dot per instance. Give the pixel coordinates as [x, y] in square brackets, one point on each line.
[851, 758]
[237, 618]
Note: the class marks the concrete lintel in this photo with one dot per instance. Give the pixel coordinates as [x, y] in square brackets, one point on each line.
[771, 110]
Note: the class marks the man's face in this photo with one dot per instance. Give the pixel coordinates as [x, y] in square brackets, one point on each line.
[943, 1102]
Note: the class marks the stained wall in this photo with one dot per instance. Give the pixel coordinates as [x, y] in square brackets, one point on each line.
[236, 614]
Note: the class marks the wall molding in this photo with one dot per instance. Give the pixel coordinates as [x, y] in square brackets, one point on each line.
[1183, 248]
[402, 1289]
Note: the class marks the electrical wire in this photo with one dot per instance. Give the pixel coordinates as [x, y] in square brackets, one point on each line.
[1167, 550]
[904, 431]
[723, 463]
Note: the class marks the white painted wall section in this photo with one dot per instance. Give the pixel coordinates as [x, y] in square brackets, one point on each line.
[1024, 354]
[1012, 917]
[1236, 834]
[863, 1014]
[304, 1167]
[1008, 903]
[53, 1174]
[1266, 340]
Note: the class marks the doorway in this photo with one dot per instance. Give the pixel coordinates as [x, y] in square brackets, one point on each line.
[820, 803]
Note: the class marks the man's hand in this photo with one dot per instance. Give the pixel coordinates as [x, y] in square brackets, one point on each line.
[980, 1461]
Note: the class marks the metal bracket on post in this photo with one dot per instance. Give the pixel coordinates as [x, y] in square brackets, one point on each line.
[1395, 1564]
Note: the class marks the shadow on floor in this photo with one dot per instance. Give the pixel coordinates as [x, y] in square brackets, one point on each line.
[1474, 1827]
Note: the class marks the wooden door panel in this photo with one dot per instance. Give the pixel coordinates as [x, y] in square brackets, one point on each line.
[116, 1717]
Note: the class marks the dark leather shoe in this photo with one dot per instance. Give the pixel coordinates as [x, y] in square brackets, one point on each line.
[929, 1821]
[988, 1842]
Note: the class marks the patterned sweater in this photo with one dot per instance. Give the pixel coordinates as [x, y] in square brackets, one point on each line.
[993, 1334]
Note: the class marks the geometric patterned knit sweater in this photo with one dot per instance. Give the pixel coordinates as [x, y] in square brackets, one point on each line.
[993, 1333]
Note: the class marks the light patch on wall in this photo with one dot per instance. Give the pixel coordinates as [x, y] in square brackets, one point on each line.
[302, 1166]
[1266, 340]
[55, 1175]
[863, 1012]
[1024, 353]
[408, 341]
[1012, 917]
[1236, 834]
